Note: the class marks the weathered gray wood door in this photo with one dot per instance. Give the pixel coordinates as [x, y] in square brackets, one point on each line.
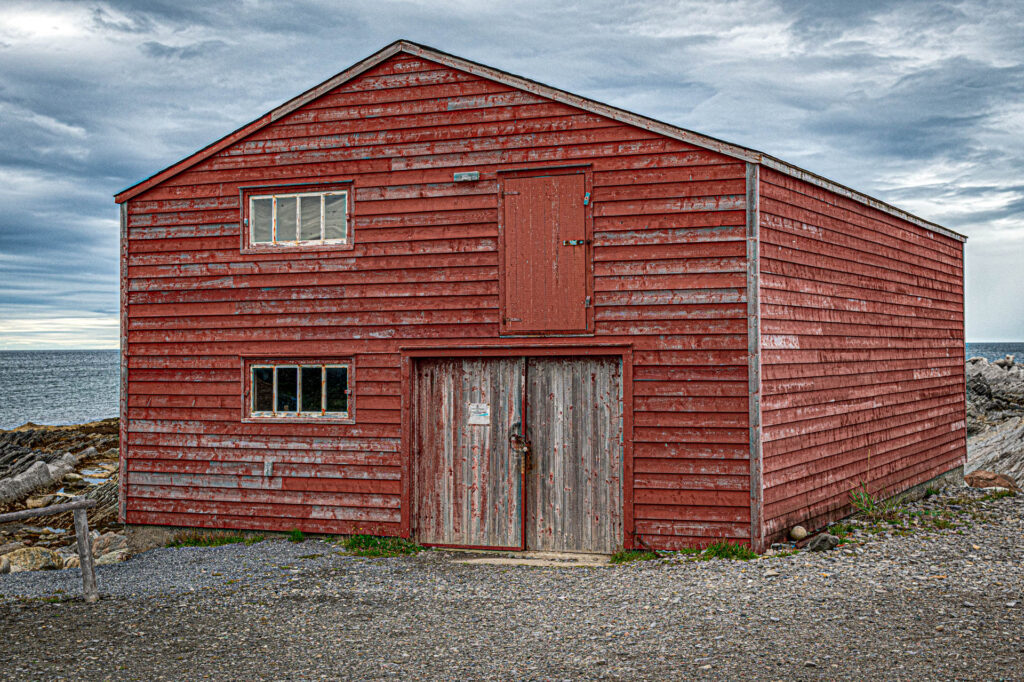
[574, 483]
[469, 484]
[468, 480]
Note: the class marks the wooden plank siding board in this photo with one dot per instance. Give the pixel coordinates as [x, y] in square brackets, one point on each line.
[862, 328]
[669, 265]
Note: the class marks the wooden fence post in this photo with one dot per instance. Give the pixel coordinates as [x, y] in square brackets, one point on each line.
[85, 556]
[79, 506]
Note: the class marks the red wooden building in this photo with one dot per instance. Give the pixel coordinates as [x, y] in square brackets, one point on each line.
[429, 298]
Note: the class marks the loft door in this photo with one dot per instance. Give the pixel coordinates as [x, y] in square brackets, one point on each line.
[545, 255]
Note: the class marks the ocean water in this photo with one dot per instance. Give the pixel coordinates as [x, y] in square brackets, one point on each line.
[58, 387]
[995, 351]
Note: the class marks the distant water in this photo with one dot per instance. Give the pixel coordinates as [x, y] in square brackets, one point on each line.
[994, 351]
[58, 387]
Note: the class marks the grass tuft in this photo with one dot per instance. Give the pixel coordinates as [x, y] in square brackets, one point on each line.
[374, 546]
[627, 556]
[872, 509]
[728, 550]
[841, 530]
[296, 535]
[997, 495]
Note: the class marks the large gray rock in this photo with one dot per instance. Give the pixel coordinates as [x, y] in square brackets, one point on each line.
[34, 559]
[823, 543]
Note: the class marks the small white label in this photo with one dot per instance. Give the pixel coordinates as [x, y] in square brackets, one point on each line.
[479, 413]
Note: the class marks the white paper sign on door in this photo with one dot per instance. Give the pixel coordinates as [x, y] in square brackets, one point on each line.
[479, 413]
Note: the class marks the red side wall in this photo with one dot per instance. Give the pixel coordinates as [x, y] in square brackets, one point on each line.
[863, 352]
[669, 270]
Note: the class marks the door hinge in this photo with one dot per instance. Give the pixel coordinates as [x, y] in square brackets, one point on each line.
[586, 199]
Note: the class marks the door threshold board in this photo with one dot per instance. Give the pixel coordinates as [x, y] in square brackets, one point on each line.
[542, 559]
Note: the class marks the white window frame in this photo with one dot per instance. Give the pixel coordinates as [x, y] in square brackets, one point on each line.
[323, 241]
[299, 414]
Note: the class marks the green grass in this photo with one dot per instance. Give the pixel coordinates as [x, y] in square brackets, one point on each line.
[296, 535]
[373, 546]
[998, 495]
[626, 556]
[872, 509]
[841, 530]
[931, 491]
[727, 550]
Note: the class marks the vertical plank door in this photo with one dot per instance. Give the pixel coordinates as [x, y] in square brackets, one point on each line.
[544, 254]
[574, 484]
[468, 481]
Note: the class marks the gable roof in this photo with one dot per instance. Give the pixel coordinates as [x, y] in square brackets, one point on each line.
[614, 113]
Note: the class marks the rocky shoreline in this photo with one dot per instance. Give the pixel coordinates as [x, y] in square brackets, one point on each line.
[42, 466]
[995, 417]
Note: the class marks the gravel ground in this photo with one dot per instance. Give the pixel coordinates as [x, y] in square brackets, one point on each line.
[932, 605]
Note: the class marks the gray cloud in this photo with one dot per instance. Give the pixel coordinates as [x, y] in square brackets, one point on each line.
[917, 102]
[204, 48]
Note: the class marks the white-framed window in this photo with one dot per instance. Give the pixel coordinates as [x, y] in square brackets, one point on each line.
[298, 218]
[300, 390]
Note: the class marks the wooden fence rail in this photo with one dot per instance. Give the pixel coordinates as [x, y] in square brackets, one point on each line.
[79, 507]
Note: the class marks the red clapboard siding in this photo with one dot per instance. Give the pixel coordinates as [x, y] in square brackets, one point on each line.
[862, 367]
[669, 267]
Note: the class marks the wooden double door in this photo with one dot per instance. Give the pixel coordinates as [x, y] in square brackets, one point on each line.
[518, 453]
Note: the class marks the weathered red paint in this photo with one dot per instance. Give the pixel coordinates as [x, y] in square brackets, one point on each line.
[864, 353]
[666, 270]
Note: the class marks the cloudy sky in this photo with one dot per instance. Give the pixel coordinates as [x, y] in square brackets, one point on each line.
[917, 103]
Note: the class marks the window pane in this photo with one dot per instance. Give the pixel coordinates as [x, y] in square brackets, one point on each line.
[262, 389]
[311, 388]
[337, 389]
[309, 207]
[286, 219]
[335, 213]
[287, 389]
[259, 219]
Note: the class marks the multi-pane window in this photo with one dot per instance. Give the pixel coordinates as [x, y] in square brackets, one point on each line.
[300, 390]
[298, 219]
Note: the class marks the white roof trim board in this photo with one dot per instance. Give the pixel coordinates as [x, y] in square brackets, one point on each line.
[629, 118]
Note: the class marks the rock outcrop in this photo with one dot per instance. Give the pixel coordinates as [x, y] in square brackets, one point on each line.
[995, 417]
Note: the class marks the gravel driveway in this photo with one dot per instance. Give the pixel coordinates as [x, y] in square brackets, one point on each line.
[939, 605]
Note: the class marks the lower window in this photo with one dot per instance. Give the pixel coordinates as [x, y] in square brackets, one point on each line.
[300, 390]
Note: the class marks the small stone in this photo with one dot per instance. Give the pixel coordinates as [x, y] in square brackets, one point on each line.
[810, 664]
[771, 573]
[72, 477]
[706, 667]
[939, 628]
[72, 562]
[38, 502]
[798, 533]
[1011, 604]
[988, 479]
[823, 543]
[112, 557]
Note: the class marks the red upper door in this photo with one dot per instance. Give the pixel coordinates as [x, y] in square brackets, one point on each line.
[546, 255]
